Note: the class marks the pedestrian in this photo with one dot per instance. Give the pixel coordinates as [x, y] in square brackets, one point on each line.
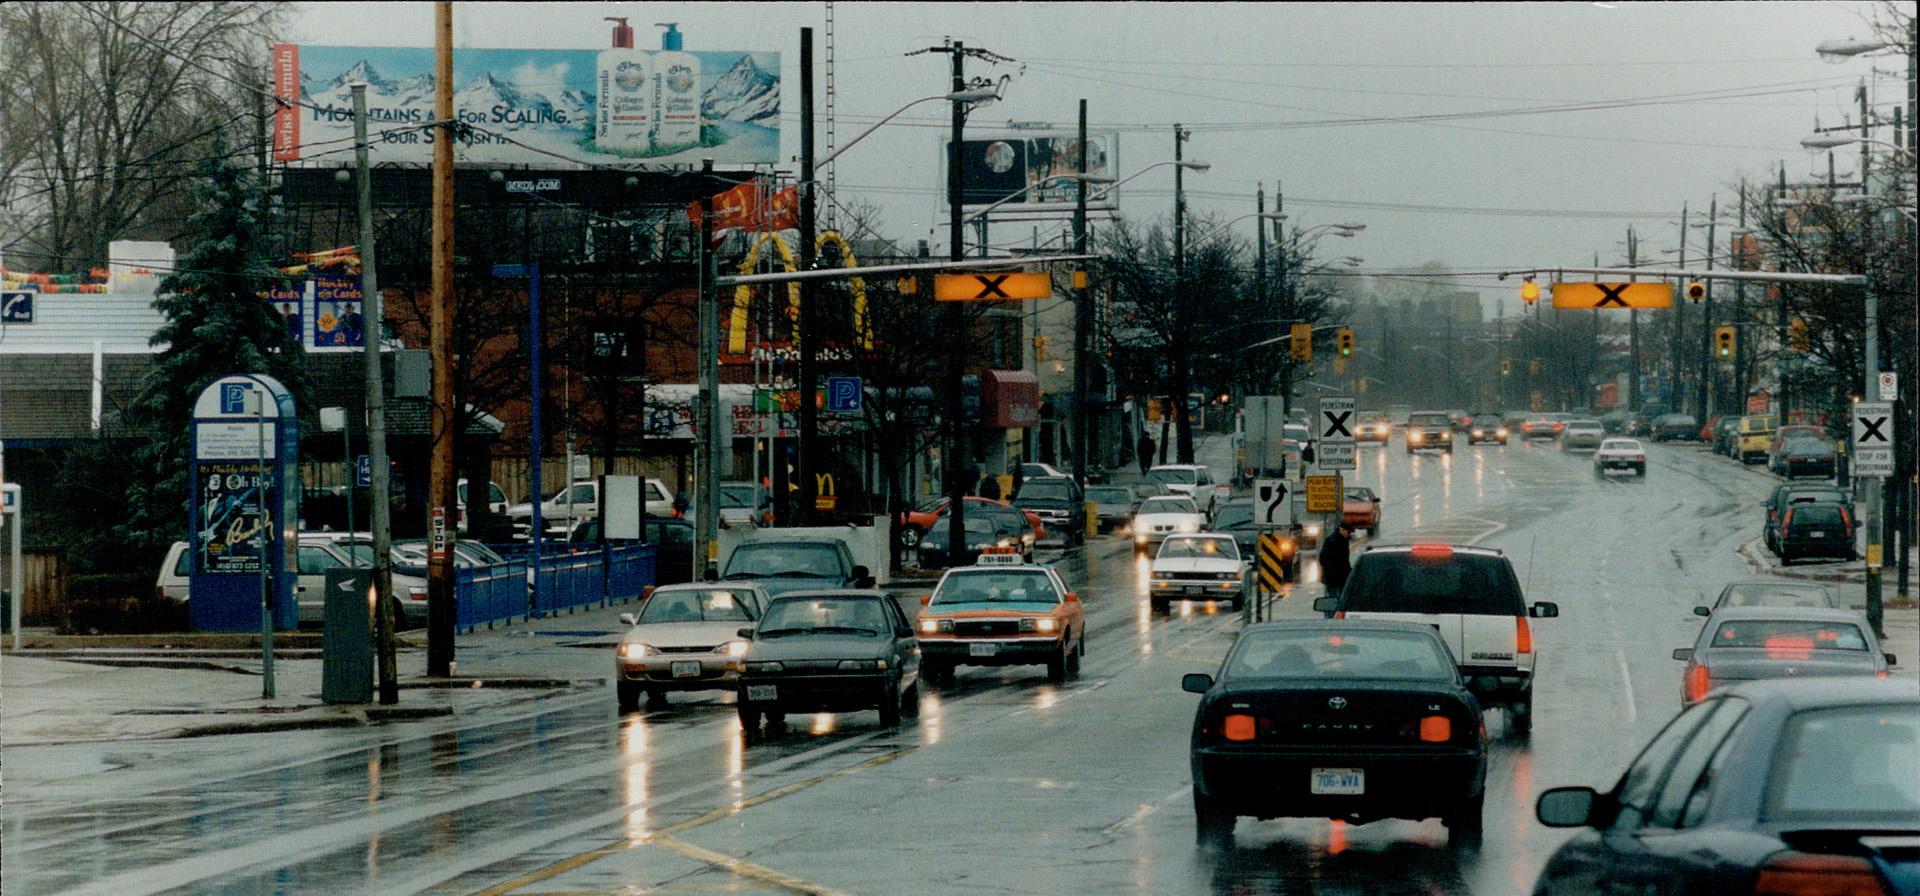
[1143, 452]
[990, 487]
[1018, 478]
[1336, 560]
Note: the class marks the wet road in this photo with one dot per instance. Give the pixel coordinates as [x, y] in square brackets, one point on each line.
[1005, 783]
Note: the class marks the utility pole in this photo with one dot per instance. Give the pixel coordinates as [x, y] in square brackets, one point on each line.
[376, 398]
[1286, 297]
[715, 435]
[440, 610]
[1704, 389]
[1674, 366]
[1182, 364]
[809, 341]
[1633, 330]
[1260, 260]
[1741, 358]
[1781, 324]
[955, 463]
[1082, 316]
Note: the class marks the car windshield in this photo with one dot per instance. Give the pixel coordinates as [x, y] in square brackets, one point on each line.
[697, 605]
[784, 559]
[1771, 594]
[1789, 637]
[1434, 419]
[1110, 494]
[976, 524]
[1359, 494]
[1619, 445]
[999, 587]
[1233, 516]
[1168, 504]
[1167, 476]
[856, 615]
[1045, 490]
[1190, 548]
[1809, 496]
[1584, 424]
[1806, 446]
[1331, 654]
[1486, 420]
[1432, 582]
[1296, 432]
[736, 496]
[1854, 763]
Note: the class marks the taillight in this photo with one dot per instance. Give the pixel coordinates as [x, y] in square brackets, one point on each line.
[1432, 551]
[1811, 874]
[1787, 521]
[1846, 519]
[1699, 682]
[1238, 726]
[1436, 729]
[1339, 614]
[1522, 635]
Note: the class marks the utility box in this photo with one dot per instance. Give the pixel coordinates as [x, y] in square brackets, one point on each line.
[346, 644]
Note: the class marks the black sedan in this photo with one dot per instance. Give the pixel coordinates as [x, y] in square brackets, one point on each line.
[1784, 786]
[1337, 719]
[1676, 427]
[982, 531]
[829, 651]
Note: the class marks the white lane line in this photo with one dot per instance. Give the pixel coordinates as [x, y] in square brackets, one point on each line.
[1620, 658]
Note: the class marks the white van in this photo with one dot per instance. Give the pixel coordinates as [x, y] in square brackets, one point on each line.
[175, 573]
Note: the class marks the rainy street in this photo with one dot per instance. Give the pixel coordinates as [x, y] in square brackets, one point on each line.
[1003, 783]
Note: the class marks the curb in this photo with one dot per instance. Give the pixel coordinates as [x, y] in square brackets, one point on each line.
[1753, 552]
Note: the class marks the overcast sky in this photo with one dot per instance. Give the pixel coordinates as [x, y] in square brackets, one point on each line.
[1708, 92]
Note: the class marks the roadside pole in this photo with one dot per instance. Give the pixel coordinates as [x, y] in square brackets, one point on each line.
[441, 472]
[714, 437]
[378, 523]
[264, 538]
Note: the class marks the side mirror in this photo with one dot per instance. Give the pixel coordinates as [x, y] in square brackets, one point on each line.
[746, 633]
[1326, 604]
[629, 619]
[1566, 807]
[1683, 654]
[926, 599]
[1545, 609]
[1196, 682]
[1703, 611]
[1073, 597]
[861, 574]
[1891, 660]
[710, 574]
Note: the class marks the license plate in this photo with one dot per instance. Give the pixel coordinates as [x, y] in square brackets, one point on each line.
[762, 693]
[1339, 781]
[1816, 534]
[686, 668]
[983, 650]
[1195, 589]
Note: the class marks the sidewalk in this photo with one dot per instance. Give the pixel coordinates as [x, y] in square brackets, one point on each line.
[1900, 618]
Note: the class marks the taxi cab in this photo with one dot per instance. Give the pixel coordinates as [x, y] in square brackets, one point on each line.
[1001, 612]
[1755, 437]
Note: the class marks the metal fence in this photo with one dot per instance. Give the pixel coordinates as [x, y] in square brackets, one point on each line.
[523, 588]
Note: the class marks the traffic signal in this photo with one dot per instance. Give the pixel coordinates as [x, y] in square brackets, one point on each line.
[1723, 343]
[1800, 339]
[1302, 342]
[1506, 367]
[1344, 339]
[1533, 365]
[1529, 291]
[1696, 290]
[1339, 365]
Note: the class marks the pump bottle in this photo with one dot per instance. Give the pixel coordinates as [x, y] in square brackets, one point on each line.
[677, 80]
[624, 113]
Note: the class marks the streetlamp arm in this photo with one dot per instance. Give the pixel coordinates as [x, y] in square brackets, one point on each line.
[962, 96]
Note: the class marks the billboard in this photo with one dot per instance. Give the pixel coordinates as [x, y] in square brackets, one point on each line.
[996, 167]
[525, 107]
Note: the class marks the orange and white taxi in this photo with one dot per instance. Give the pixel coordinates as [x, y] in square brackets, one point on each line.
[1001, 612]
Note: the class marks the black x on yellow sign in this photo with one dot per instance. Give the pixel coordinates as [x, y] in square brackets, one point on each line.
[992, 287]
[1613, 295]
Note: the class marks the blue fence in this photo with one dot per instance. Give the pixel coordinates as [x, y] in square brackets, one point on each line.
[485, 595]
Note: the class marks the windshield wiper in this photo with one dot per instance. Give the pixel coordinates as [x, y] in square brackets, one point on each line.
[777, 632]
[740, 575]
[800, 573]
[844, 630]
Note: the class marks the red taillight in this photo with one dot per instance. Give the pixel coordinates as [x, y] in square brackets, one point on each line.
[1846, 519]
[1432, 551]
[1787, 521]
[1522, 635]
[1238, 726]
[1436, 729]
[1699, 682]
[1339, 614]
[1810, 874]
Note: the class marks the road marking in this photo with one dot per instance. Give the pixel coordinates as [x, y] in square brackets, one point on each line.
[744, 868]
[1620, 657]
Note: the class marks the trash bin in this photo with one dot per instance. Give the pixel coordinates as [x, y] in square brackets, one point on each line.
[346, 642]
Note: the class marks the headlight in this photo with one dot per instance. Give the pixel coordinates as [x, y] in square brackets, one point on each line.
[1501, 432]
[734, 648]
[1413, 436]
[765, 667]
[1044, 625]
[1189, 526]
[861, 665]
[929, 626]
[635, 651]
[1479, 432]
[1227, 576]
[1161, 583]
[1139, 538]
[1314, 530]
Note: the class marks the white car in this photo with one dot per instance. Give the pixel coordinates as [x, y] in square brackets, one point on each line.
[1582, 435]
[1206, 566]
[685, 638]
[1164, 515]
[318, 553]
[1620, 455]
[1192, 480]
[561, 510]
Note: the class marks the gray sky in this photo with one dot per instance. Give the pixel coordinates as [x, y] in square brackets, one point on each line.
[1261, 84]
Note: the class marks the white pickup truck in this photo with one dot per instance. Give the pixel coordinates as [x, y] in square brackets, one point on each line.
[579, 501]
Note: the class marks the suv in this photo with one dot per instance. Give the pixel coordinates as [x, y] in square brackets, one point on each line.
[1429, 429]
[1058, 502]
[1815, 529]
[1472, 598]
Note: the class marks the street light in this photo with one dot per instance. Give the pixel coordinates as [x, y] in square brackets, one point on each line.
[974, 95]
[1188, 164]
[1070, 178]
[1842, 49]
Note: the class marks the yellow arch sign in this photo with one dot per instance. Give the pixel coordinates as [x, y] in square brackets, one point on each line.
[743, 294]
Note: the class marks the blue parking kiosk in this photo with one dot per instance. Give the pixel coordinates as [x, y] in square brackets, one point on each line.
[244, 508]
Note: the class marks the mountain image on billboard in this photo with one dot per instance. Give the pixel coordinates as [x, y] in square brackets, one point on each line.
[532, 107]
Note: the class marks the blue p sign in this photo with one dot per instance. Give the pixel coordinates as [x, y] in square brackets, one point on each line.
[363, 471]
[233, 398]
[843, 394]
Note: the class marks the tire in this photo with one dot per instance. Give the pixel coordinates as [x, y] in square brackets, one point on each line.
[1520, 719]
[1464, 825]
[628, 693]
[910, 701]
[1159, 604]
[1057, 665]
[656, 698]
[910, 537]
[1073, 657]
[1212, 826]
[749, 718]
[890, 706]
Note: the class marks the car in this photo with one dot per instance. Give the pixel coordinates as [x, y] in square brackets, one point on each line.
[563, 509]
[1112, 505]
[1616, 455]
[1643, 419]
[1788, 493]
[1336, 719]
[830, 650]
[1360, 508]
[1236, 518]
[1205, 566]
[1676, 428]
[1726, 436]
[1745, 643]
[1787, 433]
[1060, 504]
[1784, 786]
[1615, 422]
[1769, 594]
[1042, 471]
[782, 563]
[1486, 428]
[1806, 457]
[1372, 428]
[1814, 529]
[1540, 426]
[314, 556]
[496, 503]
[176, 573]
[466, 554]
[913, 527]
[1471, 596]
[672, 540]
[1515, 421]
[984, 531]
[1459, 418]
[1192, 480]
[739, 506]
[1001, 614]
[1582, 434]
[1429, 429]
[684, 639]
[1157, 518]
[1756, 437]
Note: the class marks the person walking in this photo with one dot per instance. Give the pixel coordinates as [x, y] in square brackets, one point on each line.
[1143, 452]
[990, 487]
[1336, 560]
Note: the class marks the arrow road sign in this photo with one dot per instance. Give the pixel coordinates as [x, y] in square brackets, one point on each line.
[1335, 449]
[1613, 295]
[992, 287]
[1873, 438]
[1274, 502]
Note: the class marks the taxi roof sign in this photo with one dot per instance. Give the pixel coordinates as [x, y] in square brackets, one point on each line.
[999, 556]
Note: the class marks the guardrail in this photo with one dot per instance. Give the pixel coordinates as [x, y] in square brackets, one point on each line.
[487, 595]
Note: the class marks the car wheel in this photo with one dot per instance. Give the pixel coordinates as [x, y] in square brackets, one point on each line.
[1212, 826]
[1159, 604]
[656, 698]
[910, 701]
[1073, 657]
[1464, 825]
[629, 695]
[890, 706]
[1520, 719]
[1057, 665]
[910, 537]
[749, 718]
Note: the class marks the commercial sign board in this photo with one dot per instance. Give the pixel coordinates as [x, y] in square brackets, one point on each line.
[524, 107]
[996, 168]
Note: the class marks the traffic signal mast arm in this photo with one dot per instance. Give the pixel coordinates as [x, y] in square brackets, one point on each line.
[1289, 336]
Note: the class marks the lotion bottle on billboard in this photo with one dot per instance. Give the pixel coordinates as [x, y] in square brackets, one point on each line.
[624, 109]
[677, 76]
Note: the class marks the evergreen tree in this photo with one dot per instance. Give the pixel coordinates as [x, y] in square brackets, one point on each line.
[215, 324]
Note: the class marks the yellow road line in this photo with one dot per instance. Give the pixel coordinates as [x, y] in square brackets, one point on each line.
[744, 868]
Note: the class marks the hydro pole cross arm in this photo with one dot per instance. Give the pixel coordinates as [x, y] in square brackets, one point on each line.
[977, 264]
[1686, 274]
